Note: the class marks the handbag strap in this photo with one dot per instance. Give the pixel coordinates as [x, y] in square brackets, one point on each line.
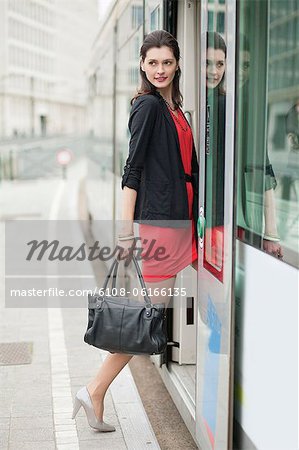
[114, 269]
[114, 276]
[113, 266]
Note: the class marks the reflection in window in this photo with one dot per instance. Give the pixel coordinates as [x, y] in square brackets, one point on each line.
[215, 153]
[267, 127]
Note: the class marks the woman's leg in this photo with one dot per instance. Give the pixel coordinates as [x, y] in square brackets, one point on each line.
[97, 388]
[115, 362]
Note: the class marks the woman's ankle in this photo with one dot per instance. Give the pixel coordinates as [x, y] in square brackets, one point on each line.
[96, 392]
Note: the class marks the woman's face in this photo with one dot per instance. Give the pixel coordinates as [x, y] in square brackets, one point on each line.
[244, 67]
[160, 66]
[215, 67]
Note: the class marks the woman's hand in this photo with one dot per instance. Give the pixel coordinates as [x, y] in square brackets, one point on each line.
[124, 247]
[274, 248]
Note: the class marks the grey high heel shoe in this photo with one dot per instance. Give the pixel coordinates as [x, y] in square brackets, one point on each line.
[83, 399]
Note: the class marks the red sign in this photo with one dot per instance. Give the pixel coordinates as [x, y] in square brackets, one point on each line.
[64, 156]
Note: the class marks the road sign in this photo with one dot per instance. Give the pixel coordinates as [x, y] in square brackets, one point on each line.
[64, 156]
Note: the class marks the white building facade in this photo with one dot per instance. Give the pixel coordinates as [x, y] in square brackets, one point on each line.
[44, 50]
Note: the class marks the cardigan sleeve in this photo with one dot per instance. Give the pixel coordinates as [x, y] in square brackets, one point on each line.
[141, 123]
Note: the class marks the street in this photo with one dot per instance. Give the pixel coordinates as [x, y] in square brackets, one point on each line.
[36, 398]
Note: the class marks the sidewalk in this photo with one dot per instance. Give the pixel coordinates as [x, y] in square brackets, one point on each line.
[36, 398]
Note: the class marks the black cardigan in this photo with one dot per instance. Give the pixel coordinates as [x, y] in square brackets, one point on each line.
[154, 166]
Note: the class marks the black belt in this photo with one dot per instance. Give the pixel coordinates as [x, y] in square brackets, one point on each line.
[188, 177]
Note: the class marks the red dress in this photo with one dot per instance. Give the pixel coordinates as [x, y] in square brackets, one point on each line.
[179, 243]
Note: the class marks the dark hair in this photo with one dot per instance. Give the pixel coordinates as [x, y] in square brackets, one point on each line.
[216, 41]
[160, 38]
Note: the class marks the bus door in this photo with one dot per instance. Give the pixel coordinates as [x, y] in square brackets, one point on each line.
[215, 331]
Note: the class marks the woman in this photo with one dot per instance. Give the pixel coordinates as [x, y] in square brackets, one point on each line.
[159, 182]
[215, 151]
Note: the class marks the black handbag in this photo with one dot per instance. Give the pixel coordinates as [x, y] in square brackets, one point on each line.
[120, 324]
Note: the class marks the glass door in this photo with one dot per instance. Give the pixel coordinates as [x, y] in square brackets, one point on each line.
[216, 20]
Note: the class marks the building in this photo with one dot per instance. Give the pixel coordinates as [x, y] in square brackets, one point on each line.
[44, 48]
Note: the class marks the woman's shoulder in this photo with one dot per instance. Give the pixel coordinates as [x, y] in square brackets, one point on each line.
[145, 99]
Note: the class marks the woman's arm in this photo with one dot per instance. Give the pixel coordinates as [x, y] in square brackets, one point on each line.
[271, 239]
[141, 123]
[126, 234]
[128, 207]
[270, 214]
[142, 120]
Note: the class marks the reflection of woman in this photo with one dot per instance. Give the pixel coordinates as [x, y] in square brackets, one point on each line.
[255, 165]
[156, 186]
[215, 73]
[215, 149]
